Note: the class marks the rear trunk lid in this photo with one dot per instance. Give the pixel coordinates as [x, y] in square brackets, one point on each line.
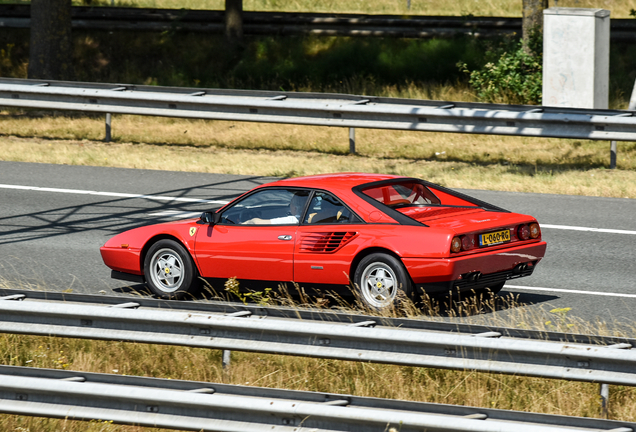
[464, 219]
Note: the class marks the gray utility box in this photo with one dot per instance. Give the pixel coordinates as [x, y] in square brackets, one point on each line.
[576, 57]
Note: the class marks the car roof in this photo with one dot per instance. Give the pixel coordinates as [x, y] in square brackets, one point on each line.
[335, 182]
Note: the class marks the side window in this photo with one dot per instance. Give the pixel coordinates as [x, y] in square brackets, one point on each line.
[268, 207]
[325, 208]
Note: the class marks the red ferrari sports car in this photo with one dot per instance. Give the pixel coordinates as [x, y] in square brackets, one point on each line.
[386, 234]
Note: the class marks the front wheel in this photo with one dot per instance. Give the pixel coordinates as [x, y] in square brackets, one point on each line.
[380, 278]
[169, 270]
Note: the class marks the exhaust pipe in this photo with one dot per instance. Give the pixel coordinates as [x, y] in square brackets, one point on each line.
[473, 276]
[520, 269]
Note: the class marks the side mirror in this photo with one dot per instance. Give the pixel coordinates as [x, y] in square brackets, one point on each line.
[209, 218]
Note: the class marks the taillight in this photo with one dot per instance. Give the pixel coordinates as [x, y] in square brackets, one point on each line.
[523, 232]
[535, 231]
[456, 245]
[467, 243]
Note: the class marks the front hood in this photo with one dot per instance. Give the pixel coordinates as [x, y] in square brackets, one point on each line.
[464, 219]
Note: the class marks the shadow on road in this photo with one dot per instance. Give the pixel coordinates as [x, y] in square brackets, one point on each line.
[113, 216]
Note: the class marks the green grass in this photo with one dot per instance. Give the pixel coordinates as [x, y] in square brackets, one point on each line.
[308, 63]
[371, 66]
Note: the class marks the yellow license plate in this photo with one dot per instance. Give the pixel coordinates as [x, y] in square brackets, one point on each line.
[494, 238]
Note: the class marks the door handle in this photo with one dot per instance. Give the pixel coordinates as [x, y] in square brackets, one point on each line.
[284, 237]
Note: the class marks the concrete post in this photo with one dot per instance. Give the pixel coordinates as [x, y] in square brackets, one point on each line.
[576, 57]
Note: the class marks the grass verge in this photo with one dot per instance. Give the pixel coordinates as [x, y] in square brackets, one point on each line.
[520, 164]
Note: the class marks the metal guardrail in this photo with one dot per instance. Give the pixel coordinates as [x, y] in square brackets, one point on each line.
[320, 109]
[312, 314]
[485, 352]
[221, 407]
[293, 23]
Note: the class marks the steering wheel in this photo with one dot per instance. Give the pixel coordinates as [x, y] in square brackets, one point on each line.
[246, 215]
[227, 220]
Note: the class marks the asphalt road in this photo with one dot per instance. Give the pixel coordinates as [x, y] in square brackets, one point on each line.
[51, 231]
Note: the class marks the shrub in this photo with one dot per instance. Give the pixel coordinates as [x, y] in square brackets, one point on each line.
[514, 77]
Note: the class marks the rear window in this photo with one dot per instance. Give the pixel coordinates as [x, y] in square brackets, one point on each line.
[402, 194]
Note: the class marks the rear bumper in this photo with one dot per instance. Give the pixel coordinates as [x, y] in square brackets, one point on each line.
[494, 267]
[463, 285]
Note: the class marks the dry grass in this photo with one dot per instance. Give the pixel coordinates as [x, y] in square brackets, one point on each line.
[362, 379]
[461, 161]
[618, 8]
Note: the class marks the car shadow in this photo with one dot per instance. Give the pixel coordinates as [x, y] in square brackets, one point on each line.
[439, 307]
[468, 305]
[530, 298]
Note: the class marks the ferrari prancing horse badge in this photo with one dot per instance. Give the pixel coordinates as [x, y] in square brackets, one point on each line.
[192, 231]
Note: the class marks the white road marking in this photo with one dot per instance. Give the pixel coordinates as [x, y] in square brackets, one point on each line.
[112, 194]
[597, 293]
[176, 214]
[194, 200]
[575, 228]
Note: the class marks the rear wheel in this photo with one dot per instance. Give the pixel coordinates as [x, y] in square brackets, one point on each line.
[381, 278]
[169, 270]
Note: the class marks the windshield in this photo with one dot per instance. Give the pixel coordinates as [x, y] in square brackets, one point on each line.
[405, 193]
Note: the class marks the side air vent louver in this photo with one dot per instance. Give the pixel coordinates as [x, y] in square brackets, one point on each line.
[325, 242]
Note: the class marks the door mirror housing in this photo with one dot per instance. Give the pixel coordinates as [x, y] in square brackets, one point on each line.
[209, 218]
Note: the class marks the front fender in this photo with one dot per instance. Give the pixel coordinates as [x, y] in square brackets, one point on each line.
[125, 251]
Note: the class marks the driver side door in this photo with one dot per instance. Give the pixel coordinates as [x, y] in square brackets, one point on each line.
[254, 239]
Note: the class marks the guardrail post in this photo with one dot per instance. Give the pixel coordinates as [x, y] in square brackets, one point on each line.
[352, 140]
[108, 120]
[604, 392]
[613, 151]
[226, 359]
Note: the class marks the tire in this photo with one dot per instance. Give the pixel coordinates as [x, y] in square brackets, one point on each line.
[381, 278]
[169, 270]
